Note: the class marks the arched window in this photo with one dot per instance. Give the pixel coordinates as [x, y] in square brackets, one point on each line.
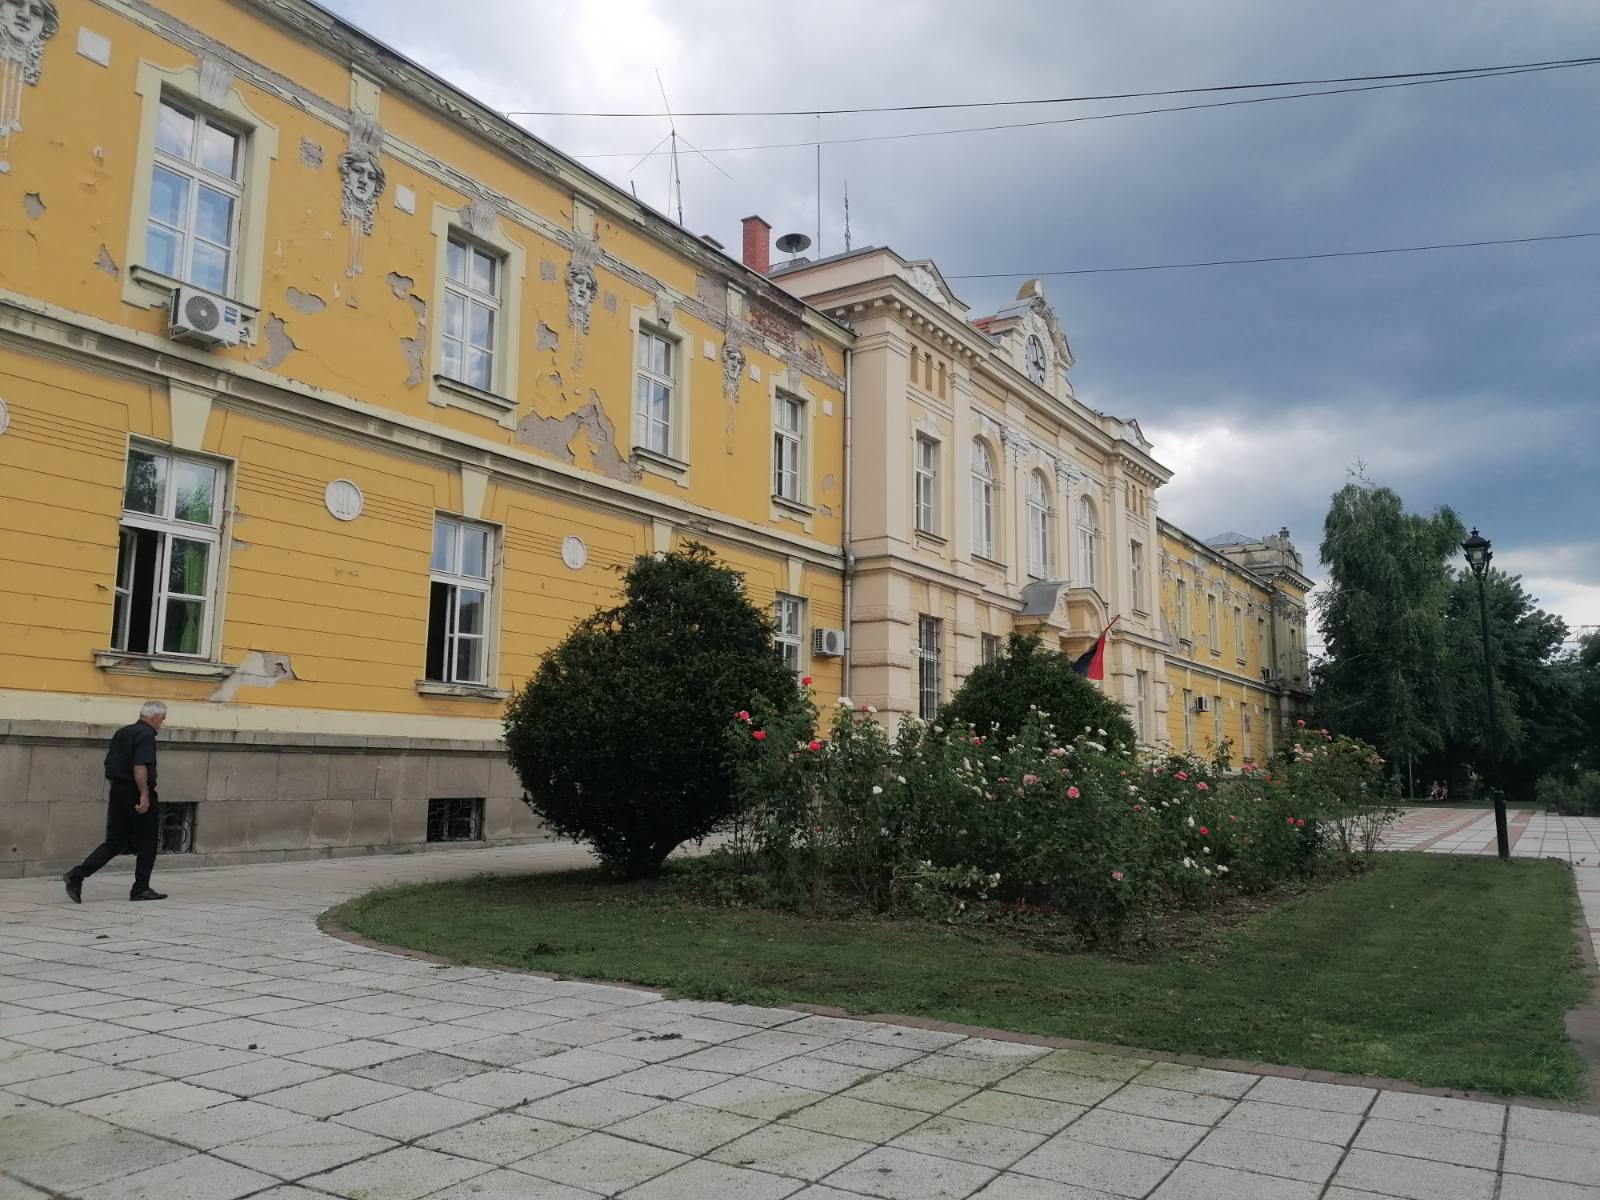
[1038, 526]
[983, 514]
[1088, 534]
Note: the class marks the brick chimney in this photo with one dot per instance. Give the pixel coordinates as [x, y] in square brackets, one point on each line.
[757, 244]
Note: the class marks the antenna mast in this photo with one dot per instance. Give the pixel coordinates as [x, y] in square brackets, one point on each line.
[674, 177]
[847, 216]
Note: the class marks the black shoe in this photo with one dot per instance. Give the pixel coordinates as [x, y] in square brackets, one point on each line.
[74, 888]
[148, 894]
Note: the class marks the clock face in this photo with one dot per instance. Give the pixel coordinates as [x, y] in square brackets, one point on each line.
[1036, 359]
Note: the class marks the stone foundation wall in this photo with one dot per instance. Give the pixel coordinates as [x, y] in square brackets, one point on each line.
[259, 797]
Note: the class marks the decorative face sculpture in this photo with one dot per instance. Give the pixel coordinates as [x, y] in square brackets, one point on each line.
[361, 180]
[28, 21]
[732, 368]
[581, 286]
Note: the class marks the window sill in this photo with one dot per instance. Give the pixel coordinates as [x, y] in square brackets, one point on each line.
[927, 535]
[799, 507]
[464, 395]
[160, 287]
[461, 691]
[1139, 612]
[119, 662]
[993, 564]
[659, 464]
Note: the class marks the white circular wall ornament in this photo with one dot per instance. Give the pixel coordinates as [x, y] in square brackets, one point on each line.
[574, 553]
[343, 499]
[5, 418]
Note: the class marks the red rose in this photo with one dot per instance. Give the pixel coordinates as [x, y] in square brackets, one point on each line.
[1204, 831]
[1291, 820]
[813, 746]
[805, 681]
[760, 735]
[1301, 822]
[743, 716]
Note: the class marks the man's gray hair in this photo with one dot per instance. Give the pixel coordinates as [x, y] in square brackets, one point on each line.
[152, 708]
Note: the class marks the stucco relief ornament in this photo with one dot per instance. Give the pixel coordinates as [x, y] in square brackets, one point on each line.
[581, 285]
[361, 180]
[25, 26]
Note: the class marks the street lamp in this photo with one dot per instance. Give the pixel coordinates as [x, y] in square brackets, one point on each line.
[1479, 556]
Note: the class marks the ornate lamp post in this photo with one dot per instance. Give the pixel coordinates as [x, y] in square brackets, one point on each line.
[1476, 548]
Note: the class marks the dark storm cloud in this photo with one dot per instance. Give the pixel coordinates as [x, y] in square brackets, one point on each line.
[1459, 377]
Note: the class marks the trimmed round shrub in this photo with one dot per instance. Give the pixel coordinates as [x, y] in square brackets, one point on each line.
[1002, 695]
[620, 737]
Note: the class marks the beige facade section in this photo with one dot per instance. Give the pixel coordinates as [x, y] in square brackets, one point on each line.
[985, 498]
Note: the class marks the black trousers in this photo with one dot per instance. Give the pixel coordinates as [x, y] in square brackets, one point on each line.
[126, 831]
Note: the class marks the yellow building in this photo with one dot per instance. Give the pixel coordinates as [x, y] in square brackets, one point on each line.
[1234, 612]
[329, 400]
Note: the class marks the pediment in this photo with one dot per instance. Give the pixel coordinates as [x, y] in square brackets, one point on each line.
[926, 278]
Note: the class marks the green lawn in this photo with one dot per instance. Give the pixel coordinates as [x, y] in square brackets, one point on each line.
[1451, 972]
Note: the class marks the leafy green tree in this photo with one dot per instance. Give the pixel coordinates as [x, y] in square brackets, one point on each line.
[1536, 711]
[1384, 620]
[620, 737]
[1026, 677]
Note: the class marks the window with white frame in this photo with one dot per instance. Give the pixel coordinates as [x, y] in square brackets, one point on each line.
[789, 619]
[196, 187]
[1238, 633]
[460, 579]
[1136, 573]
[1141, 705]
[1181, 611]
[652, 391]
[471, 313]
[1216, 723]
[928, 629]
[927, 497]
[983, 510]
[167, 554]
[1213, 636]
[1039, 532]
[788, 445]
[988, 648]
[1088, 535]
[1188, 719]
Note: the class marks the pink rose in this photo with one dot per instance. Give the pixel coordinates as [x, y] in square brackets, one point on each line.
[1204, 831]
[1202, 787]
[760, 735]
[1072, 793]
[1117, 875]
[743, 716]
[1182, 775]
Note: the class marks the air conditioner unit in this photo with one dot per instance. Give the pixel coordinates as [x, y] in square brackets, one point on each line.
[827, 643]
[202, 319]
[1201, 704]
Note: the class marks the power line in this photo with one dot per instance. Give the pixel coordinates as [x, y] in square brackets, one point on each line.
[1221, 87]
[1139, 112]
[1278, 258]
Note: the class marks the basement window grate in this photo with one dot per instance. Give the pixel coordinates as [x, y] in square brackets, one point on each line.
[177, 828]
[455, 820]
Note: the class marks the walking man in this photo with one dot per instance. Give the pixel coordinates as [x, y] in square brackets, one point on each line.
[131, 813]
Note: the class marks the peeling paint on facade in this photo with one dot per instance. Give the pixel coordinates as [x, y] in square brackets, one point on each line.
[547, 270]
[106, 263]
[547, 338]
[33, 206]
[258, 670]
[554, 436]
[310, 154]
[304, 302]
[829, 483]
[279, 344]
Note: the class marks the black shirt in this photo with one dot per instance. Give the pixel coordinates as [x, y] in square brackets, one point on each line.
[131, 746]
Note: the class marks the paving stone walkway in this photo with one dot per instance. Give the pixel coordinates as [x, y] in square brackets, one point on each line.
[219, 1046]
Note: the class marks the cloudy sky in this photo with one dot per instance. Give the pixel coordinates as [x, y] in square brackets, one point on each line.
[1464, 377]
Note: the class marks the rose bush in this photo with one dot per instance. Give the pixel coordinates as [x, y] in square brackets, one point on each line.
[937, 820]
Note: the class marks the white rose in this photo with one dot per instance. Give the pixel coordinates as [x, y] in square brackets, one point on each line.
[844, 702]
[876, 790]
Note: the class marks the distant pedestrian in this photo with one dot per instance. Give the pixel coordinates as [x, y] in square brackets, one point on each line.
[132, 810]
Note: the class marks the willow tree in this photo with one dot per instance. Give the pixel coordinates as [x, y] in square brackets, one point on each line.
[1385, 620]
